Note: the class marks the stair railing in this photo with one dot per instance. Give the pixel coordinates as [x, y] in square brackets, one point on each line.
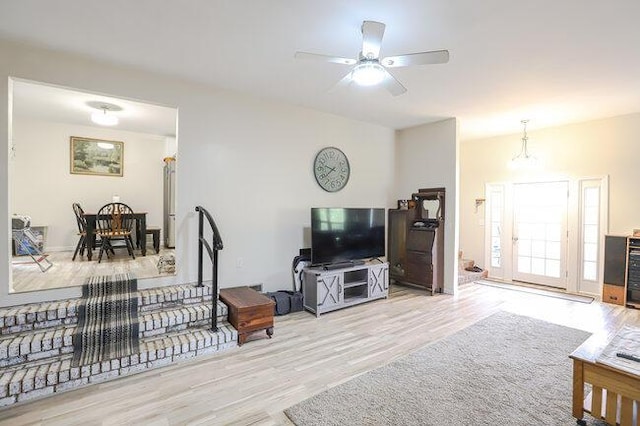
[212, 250]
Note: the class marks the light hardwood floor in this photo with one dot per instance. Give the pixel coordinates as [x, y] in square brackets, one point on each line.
[256, 382]
[70, 273]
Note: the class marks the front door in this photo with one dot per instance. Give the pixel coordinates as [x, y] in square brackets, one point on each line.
[540, 233]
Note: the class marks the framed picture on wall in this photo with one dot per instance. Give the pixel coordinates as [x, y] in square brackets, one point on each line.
[96, 157]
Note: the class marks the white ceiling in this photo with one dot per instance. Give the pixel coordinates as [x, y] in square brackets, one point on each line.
[551, 61]
[61, 105]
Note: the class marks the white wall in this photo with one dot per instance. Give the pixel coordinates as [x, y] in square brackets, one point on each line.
[427, 157]
[44, 188]
[246, 160]
[591, 149]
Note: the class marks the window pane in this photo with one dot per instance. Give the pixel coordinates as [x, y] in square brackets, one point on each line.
[590, 252]
[524, 247]
[591, 197]
[591, 233]
[524, 264]
[495, 262]
[553, 268]
[553, 250]
[537, 248]
[590, 271]
[591, 215]
[537, 266]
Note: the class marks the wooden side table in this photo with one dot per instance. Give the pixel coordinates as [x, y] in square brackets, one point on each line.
[614, 394]
[249, 311]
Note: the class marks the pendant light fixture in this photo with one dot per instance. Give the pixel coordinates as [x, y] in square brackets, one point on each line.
[524, 160]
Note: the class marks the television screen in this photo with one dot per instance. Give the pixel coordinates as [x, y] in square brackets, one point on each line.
[346, 234]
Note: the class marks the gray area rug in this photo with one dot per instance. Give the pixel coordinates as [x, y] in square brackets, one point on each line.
[504, 370]
[107, 319]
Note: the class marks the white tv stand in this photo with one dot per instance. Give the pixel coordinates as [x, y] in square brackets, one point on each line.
[326, 290]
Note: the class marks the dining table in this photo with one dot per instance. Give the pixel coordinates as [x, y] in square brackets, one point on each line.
[141, 229]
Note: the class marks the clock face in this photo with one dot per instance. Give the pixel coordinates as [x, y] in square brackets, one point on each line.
[331, 169]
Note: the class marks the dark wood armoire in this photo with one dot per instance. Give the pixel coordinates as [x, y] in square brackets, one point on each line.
[416, 240]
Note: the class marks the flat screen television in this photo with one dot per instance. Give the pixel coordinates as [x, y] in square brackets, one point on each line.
[340, 235]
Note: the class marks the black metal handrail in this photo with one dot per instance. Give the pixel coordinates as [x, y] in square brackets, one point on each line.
[212, 250]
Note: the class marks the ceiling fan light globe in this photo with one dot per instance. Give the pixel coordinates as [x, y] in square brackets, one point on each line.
[368, 74]
[103, 118]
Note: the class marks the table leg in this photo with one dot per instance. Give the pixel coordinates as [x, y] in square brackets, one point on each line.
[143, 234]
[91, 237]
[578, 391]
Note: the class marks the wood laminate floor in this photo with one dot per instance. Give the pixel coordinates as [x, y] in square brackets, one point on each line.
[65, 272]
[256, 382]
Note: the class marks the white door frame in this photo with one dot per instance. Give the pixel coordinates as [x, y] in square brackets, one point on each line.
[575, 283]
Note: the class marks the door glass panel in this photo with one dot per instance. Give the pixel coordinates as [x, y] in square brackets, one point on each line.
[590, 232]
[540, 228]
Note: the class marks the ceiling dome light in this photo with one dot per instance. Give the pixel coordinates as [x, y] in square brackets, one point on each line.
[103, 117]
[368, 73]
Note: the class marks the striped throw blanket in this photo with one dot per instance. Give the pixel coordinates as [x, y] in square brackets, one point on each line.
[107, 320]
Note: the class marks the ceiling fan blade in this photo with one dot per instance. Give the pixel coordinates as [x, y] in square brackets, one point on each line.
[392, 85]
[420, 58]
[344, 82]
[372, 33]
[324, 58]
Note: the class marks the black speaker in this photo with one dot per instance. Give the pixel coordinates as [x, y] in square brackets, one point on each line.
[615, 254]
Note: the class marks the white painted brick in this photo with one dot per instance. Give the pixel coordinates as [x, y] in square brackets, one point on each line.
[115, 364]
[4, 349]
[15, 385]
[103, 377]
[185, 355]
[25, 345]
[124, 361]
[64, 376]
[14, 349]
[5, 378]
[85, 371]
[42, 355]
[72, 384]
[57, 339]
[52, 374]
[135, 359]
[36, 343]
[133, 369]
[52, 314]
[66, 349]
[95, 369]
[62, 312]
[7, 401]
[47, 341]
[41, 377]
[21, 319]
[74, 373]
[143, 357]
[159, 362]
[35, 394]
[105, 366]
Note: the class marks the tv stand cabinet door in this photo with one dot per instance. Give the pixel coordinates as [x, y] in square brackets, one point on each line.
[330, 291]
[378, 280]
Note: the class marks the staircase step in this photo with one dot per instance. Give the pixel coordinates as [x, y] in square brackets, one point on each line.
[35, 345]
[38, 378]
[38, 316]
[179, 318]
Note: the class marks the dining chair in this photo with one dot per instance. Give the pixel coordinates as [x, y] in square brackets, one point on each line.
[82, 230]
[115, 222]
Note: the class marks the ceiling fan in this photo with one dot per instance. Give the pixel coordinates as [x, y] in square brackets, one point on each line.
[369, 69]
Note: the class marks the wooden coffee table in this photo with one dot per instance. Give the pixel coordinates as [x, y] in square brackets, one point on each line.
[249, 311]
[614, 391]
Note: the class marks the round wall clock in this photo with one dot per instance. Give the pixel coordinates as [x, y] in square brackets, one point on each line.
[331, 169]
